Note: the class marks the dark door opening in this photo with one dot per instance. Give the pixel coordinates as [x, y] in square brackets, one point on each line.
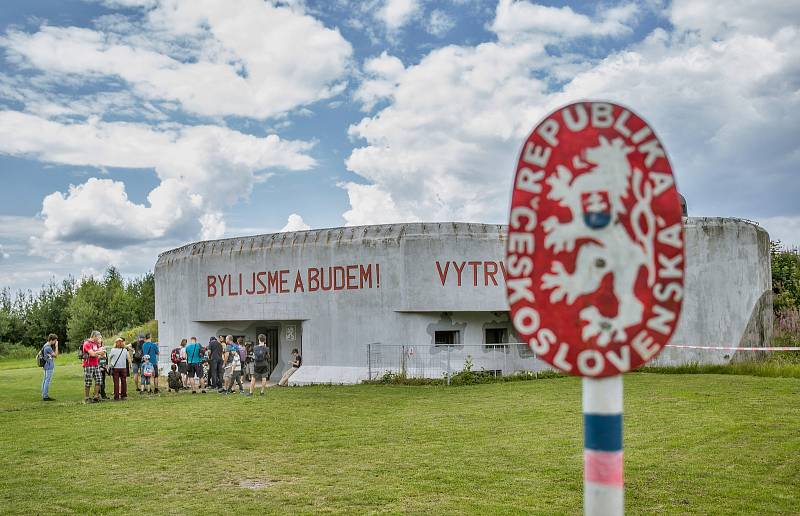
[272, 345]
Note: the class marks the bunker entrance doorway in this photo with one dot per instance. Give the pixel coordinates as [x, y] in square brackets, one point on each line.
[272, 344]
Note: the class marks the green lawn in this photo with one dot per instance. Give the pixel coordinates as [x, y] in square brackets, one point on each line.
[694, 444]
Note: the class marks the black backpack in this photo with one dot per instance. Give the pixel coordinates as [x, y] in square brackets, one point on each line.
[40, 360]
[137, 353]
[261, 354]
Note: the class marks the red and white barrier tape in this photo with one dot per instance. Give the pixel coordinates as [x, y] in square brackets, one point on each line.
[723, 348]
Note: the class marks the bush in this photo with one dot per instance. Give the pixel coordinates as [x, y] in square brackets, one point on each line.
[785, 277]
[130, 334]
[8, 350]
[787, 326]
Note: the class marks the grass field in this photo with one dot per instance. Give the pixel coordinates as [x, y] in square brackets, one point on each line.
[694, 444]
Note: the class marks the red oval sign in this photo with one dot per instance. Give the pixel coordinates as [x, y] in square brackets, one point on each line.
[595, 253]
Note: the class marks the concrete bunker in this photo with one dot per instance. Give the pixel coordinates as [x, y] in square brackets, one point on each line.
[333, 292]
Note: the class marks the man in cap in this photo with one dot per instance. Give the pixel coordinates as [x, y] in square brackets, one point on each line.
[136, 361]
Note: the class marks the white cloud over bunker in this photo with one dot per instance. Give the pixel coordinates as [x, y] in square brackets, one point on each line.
[721, 91]
[173, 58]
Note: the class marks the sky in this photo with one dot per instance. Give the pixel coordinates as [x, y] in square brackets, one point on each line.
[130, 127]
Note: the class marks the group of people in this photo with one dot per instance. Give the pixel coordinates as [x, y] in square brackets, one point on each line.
[225, 363]
[221, 365]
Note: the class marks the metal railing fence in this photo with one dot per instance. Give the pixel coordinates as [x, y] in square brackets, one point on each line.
[445, 360]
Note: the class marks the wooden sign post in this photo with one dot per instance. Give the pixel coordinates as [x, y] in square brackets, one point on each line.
[595, 264]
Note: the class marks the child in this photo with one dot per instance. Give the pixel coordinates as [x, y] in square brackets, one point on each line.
[174, 379]
[147, 374]
[235, 372]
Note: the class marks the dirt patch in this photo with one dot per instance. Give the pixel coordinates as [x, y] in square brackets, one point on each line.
[252, 483]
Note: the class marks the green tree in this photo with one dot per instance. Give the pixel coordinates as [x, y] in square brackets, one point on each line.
[47, 312]
[143, 291]
[72, 309]
[87, 310]
[785, 277]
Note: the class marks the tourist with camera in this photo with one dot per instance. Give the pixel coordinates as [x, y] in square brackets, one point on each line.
[92, 350]
[49, 354]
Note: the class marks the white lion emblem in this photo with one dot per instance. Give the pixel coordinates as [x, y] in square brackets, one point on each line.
[596, 197]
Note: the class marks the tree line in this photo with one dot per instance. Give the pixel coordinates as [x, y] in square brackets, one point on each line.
[73, 308]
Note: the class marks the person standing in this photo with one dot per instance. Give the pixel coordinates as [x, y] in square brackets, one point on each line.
[119, 358]
[242, 349]
[227, 361]
[250, 365]
[183, 365]
[296, 362]
[194, 361]
[234, 365]
[150, 348]
[49, 352]
[260, 364]
[136, 359]
[103, 365]
[92, 351]
[215, 363]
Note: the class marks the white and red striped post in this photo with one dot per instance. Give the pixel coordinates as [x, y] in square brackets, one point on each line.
[603, 490]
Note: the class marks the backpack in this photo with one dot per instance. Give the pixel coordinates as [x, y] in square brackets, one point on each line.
[137, 353]
[40, 361]
[175, 356]
[174, 380]
[82, 355]
[261, 354]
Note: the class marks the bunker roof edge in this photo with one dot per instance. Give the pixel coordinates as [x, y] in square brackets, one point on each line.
[397, 232]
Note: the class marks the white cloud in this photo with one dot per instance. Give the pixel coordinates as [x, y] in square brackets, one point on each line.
[725, 106]
[99, 212]
[196, 165]
[381, 76]
[97, 257]
[515, 19]
[205, 55]
[371, 205]
[712, 19]
[212, 226]
[153, 63]
[16, 227]
[3, 254]
[397, 13]
[439, 23]
[295, 223]
[445, 144]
